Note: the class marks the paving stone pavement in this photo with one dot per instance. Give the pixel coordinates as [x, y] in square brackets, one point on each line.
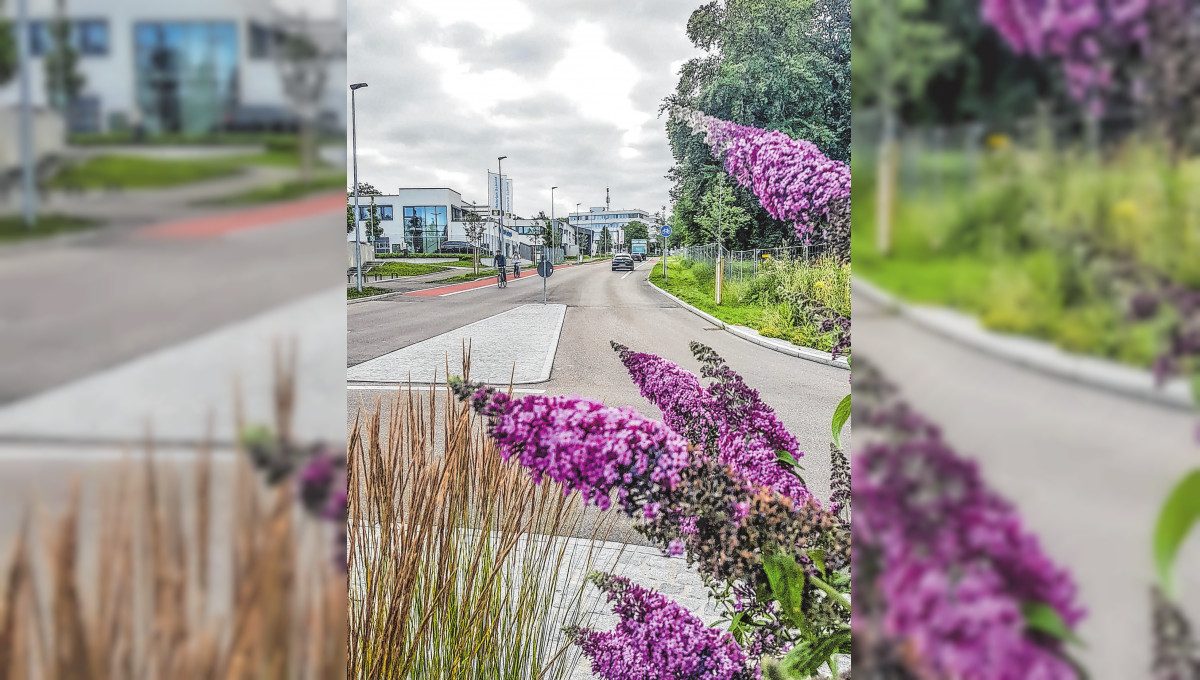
[647, 566]
[524, 338]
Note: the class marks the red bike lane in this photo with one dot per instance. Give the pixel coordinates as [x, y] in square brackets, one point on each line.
[489, 281]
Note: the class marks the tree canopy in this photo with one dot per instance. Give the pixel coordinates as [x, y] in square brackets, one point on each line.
[773, 64]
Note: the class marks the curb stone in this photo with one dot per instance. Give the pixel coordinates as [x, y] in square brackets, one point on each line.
[751, 335]
[1095, 372]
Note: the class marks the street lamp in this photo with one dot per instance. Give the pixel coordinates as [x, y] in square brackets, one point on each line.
[500, 192]
[354, 154]
[578, 219]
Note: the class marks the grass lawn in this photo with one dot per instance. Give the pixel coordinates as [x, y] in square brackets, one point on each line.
[133, 172]
[352, 293]
[682, 283]
[12, 227]
[285, 191]
[406, 269]
[461, 278]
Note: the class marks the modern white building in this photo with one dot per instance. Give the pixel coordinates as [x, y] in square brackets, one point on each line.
[428, 219]
[183, 67]
[596, 219]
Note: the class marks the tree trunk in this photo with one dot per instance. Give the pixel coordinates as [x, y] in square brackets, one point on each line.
[885, 183]
[306, 149]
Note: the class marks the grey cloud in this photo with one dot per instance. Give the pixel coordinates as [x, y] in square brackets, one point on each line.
[406, 118]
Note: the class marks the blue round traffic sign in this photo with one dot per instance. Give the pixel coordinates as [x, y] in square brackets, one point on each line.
[665, 231]
[545, 268]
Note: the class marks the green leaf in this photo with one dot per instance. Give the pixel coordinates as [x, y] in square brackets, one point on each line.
[736, 628]
[818, 558]
[1043, 618]
[809, 655]
[840, 415]
[787, 585]
[1179, 514]
[787, 459]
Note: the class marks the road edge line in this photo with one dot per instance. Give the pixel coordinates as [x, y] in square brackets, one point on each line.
[548, 367]
[748, 334]
[1070, 368]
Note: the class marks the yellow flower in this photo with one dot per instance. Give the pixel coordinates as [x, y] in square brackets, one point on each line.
[1125, 209]
[997, 141]
[820, 285]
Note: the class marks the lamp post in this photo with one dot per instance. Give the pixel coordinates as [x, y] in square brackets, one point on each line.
[500, 193]
[29, 196]
[354, 154]
[553, 226]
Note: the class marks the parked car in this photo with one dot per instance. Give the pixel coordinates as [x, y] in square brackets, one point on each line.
[455, 248]
[622, 261]
[261, 119]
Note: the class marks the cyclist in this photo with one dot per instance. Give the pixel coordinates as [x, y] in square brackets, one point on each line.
[516, 267]
[499, 262]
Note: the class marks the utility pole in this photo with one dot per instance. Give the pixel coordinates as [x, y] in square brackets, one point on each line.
[354, 153]
[26, 115]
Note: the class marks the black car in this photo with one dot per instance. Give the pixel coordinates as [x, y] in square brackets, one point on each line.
[639, 257]
[622, 261]
[456, 248]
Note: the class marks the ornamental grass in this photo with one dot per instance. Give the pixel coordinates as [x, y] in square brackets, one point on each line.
[460, 564]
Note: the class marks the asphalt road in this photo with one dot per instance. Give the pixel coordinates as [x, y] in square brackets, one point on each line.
[70, 309]
[1088, 471]
[603, 305]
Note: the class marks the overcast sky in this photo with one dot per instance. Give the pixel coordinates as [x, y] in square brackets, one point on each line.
[569, 90]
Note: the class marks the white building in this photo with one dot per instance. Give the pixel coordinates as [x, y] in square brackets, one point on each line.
[596, 219]
[428, 219]
[183, 67]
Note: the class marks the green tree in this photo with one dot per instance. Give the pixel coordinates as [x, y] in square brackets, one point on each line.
[720, 216]
[636, 229]
[64, 82]
[774, 64]
[474, 227]
[605, 244]
[365, 190]
[896, 52]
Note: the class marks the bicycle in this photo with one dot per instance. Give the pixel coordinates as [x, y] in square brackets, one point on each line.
[501, 278]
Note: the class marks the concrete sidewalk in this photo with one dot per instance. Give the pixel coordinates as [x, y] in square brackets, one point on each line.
[174, 389]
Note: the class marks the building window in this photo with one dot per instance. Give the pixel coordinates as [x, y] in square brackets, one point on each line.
[92, 35]
[260, 41]
[385, 212]
[456, 213]
[169, 58]
[39, 38]
[425, 227]
[382, 245]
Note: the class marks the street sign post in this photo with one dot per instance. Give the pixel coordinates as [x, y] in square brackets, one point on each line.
[544, 269]
[665, 232]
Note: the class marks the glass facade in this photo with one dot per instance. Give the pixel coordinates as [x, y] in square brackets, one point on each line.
[384, 211]
[187, 74]
[425, 227]
[89, 37]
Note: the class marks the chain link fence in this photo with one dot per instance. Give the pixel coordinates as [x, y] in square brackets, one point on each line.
[744, 265]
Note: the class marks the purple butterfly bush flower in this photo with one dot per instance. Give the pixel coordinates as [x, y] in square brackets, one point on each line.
[728, 419]
[658, 639]
[1089, 38]
[948, 562]
[587, 447]
[791, 178]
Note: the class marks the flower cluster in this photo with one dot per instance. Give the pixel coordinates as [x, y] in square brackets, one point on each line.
[1183, 342]
[657, 638]
[791, 178]
[1089, 38]
[585, 446]
[949, 566]
[728, 420]
[320, 476]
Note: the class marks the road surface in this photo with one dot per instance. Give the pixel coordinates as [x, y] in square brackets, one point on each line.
[601, 305]
[1088, 470]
